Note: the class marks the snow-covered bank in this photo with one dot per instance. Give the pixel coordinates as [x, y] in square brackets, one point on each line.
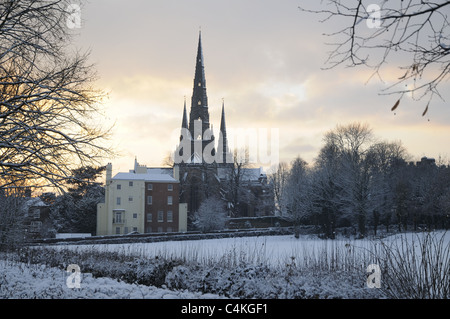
[22, 281]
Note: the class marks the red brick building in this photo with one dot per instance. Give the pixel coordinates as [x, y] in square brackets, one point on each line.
[161, 207]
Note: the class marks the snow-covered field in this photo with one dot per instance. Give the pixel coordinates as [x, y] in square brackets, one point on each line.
[273, 251]
[253, 267]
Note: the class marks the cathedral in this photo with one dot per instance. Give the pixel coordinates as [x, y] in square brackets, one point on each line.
[197, 141]
[151, 199]
[205, 169]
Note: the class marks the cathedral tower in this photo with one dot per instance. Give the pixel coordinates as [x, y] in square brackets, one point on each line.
[196, 154]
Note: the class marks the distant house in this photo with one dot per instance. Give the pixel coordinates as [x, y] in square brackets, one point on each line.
[143, 200]
[426, 162]
[254, 181]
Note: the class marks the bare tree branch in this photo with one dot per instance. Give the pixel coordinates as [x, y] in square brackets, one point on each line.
[414, 35]
[48, 106]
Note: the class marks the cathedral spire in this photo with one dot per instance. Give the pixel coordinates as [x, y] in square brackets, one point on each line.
[223, 128]
[184, 122]
[199, 97]
[223, 142]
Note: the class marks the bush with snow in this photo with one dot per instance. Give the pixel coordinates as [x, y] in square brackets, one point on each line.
[211, 215]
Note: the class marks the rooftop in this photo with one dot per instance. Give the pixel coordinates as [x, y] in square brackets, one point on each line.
[148, 177]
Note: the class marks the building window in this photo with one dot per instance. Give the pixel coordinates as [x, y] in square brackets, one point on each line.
[117, 230]
[134, 215]
[36, 213]
[130, 198]
[170, 187]
[169, 229]
[149, 217]
[149, 200]
[118, 201]
[160, 229]
[130, 184]
[119, 186]
[149, 187]
[160, 216]
[135, 229]
[35, 226]
[148, 229]
[125, 230]
[169, 200]
[170, 216]
[118, 218]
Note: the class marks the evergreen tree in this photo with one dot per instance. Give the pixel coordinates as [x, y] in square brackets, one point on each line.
[76, 210]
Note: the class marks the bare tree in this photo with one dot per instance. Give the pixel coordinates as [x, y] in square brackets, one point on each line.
[168, 160]
[298, 200]
[278, 179]
[235, 191]
[48, 105]
[414, 35]
[326, 190]
[352, 143]
[390, 182]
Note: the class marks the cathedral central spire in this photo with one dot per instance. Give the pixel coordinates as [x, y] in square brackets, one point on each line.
[199, 97]
[199, 126]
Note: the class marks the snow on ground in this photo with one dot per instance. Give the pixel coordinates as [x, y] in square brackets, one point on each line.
[21, 281]
[270, 250]
[18, 280]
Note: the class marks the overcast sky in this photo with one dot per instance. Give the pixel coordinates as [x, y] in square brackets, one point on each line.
[264, 57]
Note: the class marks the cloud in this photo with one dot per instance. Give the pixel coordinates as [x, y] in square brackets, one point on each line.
[264, 57]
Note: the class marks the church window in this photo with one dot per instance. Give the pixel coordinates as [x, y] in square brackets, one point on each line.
[199, 83]
[199, 102]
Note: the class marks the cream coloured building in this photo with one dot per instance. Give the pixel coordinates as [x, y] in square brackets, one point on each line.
[142, 200]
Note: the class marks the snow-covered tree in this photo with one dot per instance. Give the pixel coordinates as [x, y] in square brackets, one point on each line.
[278, 180]
[390, 181]
[297, 193]
[352, 143]
[326, 191]
[211, 215]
